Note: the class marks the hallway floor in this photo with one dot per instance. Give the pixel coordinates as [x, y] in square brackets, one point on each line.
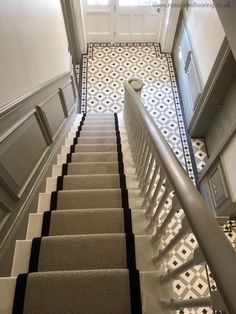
[104, 68]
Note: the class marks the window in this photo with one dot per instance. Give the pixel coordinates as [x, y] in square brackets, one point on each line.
[97, 2]
[135, 2]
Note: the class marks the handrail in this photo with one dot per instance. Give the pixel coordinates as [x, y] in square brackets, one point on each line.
[216, 249]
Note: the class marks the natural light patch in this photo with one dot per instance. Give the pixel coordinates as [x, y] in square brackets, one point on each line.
[97, 2]
[135, 2]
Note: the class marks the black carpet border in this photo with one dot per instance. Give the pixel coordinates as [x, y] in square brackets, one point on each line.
[125, 198]
[46, 224]
[128, 220]
[60, 179]
[19, 296]
[134, 280]
[34, 255]
[135, 292]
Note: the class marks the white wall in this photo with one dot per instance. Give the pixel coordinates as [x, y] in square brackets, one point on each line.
[227, 16]
[34, 46]
[206, 36]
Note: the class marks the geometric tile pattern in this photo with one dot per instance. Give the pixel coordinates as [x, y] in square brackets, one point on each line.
[200, 153]
[106, 66]
[194, 282]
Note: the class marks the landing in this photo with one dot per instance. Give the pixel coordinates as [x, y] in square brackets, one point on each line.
[106, 66]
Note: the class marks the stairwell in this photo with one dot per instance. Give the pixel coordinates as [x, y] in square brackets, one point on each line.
[87, 249]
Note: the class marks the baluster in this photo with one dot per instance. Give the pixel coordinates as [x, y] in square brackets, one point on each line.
[140, 148]
[151, 186]
[144, 184]
[218, 302]
[197, 259]
[137, 137]
[143, 154]
[162, 201]
[144, 167]
[138, 134]
[154, 198]
[160, 230]
[175, 304]
[184, 230]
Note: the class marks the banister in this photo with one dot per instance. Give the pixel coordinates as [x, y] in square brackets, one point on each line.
[217, 250]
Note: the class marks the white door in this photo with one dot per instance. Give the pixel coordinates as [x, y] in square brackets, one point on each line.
[121, 21]
[136, 21]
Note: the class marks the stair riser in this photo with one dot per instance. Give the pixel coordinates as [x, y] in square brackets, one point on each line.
[91, 181]
[93, 252]
[96, 200]
[110, 128]
[94, 157]
[97, 148]
[99, 123]
[84, 168]
[59, 293]
[89, 199]
[78, 222]
[97, 134]
[74, 169]
[97, 140]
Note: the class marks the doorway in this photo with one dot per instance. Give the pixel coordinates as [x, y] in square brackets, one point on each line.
[116, 21]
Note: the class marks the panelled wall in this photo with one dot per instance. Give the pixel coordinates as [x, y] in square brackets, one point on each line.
[37, 103]
[29, 132]
[206, 70]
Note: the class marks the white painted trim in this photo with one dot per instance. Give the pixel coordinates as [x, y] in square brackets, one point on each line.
[143, 250]
[44, 202]
[21, 257]
[34, 228]
[80, 23]
[7, 288]
[214, 75]
[23, 98]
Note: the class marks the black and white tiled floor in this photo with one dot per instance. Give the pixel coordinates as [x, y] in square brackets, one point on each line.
[104, 68]
[200, 153]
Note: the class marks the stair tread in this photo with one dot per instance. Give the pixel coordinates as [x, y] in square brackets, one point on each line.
[97, 198]
[95, 181]
[77, 252]
[91, 221]
[97, 140]
[94, 156]
[98, 167]
[89, 291]
[96, 147]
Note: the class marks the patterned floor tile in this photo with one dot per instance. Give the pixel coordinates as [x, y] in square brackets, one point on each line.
[105, 68]
[200, 153]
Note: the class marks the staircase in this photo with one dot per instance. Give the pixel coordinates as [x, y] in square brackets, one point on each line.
[80, 254]
[100, 241]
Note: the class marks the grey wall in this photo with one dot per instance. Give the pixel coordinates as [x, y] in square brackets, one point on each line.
[187, 70]
[224, 122]
[70, 13]
[37, 103]
[31, 131]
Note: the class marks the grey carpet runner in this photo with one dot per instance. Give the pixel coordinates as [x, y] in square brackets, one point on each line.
[84, 261]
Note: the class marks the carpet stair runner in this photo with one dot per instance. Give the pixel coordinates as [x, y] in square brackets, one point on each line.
[84, 260]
